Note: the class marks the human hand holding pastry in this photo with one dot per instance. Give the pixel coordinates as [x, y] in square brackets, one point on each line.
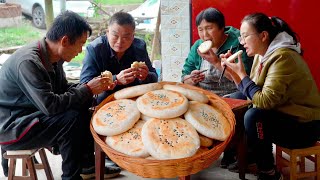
[235, 70]
[195, 77]
[102, 83]
[141, 70]
[206, 51]
[126, 76]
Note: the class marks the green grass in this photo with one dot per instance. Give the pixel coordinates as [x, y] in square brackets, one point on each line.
[119, 2]
[79, 58]
[146, 37]
[18, 36]
[25, 33]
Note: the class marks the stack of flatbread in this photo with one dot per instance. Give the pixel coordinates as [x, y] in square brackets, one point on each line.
[160, 122]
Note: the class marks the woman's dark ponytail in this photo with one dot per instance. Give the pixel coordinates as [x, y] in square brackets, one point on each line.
[281, 25]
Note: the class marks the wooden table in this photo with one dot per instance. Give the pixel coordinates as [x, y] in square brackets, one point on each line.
[239, 107]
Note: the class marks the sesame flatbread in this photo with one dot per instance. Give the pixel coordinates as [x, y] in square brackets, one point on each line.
[129, 142]
[170, 138]
[191, 94]
[135, 91]
[162, 104]
[208, 121]
[116, 117]
[205, 46]
[151, 158]
[205, 141]
[145, 117]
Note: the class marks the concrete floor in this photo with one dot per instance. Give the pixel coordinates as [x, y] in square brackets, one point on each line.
[214, 172]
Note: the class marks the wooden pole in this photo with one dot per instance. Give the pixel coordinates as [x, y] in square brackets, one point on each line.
[49, 13]
[156, 43]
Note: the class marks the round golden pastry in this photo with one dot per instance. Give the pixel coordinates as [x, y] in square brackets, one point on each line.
[205, 141]
[137, 64]
[107, 74]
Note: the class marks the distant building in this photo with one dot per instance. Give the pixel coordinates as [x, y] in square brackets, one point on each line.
[10, 15]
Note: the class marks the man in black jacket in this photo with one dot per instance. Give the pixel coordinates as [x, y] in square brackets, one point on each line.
[115, 52]
[39, 108]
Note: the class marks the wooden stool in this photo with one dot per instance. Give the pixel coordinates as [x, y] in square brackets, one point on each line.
[297, 157]
[27, 162]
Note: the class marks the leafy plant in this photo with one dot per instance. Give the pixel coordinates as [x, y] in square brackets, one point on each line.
[147, 38]
[19, 35]
[79, 58]
[118, 2]
[25, 33]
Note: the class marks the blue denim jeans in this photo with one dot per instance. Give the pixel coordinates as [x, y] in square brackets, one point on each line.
[236, 95]
[264, 127]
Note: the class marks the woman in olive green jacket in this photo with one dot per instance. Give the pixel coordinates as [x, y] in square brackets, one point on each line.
[285, 98]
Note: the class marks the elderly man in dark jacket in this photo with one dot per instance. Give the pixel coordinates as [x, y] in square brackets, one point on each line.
[38, 107]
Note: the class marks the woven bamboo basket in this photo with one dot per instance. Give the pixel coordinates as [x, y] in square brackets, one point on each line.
[149, 168]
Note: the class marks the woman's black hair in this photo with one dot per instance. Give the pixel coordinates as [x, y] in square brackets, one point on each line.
[211, 15]
[273, 25]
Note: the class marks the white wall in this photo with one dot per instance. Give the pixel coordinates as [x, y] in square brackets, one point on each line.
[175, 37]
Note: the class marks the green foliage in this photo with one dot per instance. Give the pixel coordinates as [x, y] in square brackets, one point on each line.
[147, 38]
[25, 33]
[97, 14]
[79, 58]
[118, 2]
[19, 35]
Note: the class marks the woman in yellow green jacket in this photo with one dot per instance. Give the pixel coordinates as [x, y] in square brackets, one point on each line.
[285, 98]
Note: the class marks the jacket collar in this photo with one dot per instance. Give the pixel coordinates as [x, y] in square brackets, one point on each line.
[42, 45]
[282, 40]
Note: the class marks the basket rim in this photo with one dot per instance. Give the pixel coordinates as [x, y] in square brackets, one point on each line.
[152, 163]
